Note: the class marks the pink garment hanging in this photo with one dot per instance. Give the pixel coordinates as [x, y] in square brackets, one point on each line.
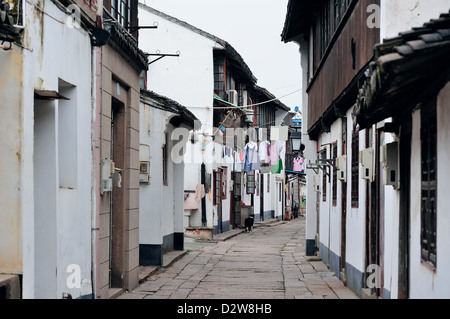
[298, 164]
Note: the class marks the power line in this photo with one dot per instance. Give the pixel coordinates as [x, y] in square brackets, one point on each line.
[232, 106]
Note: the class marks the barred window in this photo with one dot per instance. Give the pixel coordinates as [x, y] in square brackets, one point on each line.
[355, 169]
[323, 157]
[217, 188]
[251, 187]
[334, 191]
[165, 159]
[429, 182]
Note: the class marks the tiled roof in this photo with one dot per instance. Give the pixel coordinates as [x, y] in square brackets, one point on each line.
[406, 68]
[298, 18]
[171, 106]
[125, 43]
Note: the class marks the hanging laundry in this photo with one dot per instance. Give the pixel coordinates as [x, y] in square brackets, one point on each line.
[298, 164]
[251, 159]
[263, 152]
[278, 167]
[274, 153]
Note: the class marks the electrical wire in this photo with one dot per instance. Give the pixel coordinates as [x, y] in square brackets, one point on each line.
[247, 106]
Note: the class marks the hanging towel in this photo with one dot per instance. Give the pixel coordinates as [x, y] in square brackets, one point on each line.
[277, 168]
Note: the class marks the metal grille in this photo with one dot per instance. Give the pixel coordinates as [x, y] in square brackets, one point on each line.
[429, 183]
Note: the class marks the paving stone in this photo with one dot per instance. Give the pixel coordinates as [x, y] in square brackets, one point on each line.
[269, 264]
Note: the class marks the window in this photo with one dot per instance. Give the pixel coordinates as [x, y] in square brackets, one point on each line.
[251, 182]
[257, 184]
[334, 191]
[219, 73]
[121, 11]
[268, 183]
[224, 183]
[327, 20]
[164, 163]
[217, 188]
[143, 79]
[429, 182]
[355, 169]
[240, 90]
[279, 192]
[323, 157]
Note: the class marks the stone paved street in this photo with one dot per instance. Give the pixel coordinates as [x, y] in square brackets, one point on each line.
[268, 264]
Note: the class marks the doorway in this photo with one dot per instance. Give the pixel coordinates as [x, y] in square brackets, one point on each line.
[237, 198]
[117, 198]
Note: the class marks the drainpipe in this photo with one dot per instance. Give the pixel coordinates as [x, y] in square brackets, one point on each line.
[203, 180]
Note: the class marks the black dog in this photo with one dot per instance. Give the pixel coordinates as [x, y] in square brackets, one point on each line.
[249, 223]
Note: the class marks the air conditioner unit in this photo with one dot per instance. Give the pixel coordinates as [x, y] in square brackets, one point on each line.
[366, 158]
[316, 181]
[389, 158]
[233, 97]
[144, 172]
[341, 165]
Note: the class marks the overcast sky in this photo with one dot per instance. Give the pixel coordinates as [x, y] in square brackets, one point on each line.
[253, 28]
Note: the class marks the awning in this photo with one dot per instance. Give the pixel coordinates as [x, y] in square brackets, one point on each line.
[48, 95]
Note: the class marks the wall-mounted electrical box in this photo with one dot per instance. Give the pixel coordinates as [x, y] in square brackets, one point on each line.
[366, 158]
[144, 172]
[389, 158]
[316, 181]
[341, 165]
[107, 175]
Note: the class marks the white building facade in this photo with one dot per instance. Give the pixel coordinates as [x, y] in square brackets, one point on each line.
[217, 196]
[367, 228]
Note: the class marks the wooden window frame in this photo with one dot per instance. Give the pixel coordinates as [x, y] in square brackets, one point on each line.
[257, 184]
[224, 183]
[251, 180]
[334, 151]
[165, 163]
[217, 187]
[219, 74]
[117, 11]
[355, 170]
[428, 140]
[322, 158]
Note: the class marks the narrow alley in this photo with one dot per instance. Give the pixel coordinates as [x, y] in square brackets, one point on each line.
[270, 263]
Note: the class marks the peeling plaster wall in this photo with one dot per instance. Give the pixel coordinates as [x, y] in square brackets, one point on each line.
[399, 16]
[54, 52]
[11, 261]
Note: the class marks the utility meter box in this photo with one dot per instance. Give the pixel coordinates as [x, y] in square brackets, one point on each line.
[390, 160]
[316, 180]
[366, 158]
[107, 175]
[341, 165]
[144, 172]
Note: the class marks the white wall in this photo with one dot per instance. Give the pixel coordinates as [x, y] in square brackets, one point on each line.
[424, 283]
[55, 53]
[151, 195]
[187, 79]
[400, 16]
[356, 217]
